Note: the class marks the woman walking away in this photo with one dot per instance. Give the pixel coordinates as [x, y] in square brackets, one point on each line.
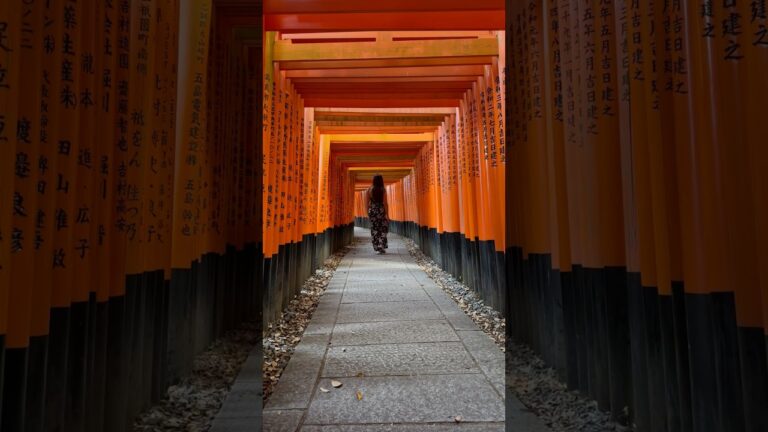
[378, 213]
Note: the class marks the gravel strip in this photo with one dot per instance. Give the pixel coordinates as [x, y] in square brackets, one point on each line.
[282, 336]
[532, 381]
[490, 320]
[192, 404]
[537, 386]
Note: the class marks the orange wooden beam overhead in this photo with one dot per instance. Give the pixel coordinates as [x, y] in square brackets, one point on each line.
[336, 6]
[449, 80]
[288, 51]
[376, 151]
[417, 71]
[380, 165]
[392, 176]
[389, 173]
[394, 160]
[387, 110]
[386, 73]
[357, 87]
[372, 169]
[431, 20]
[363, 181]
[376, 147]
[384, 92]
[386, 63]
[380, 116]
[401, 156]
[371, 129]
[380, 103]
[372, 36]
[383, 95]
[363, 149]
[347, 122]
[379, 138]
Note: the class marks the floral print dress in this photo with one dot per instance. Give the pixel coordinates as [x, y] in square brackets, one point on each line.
[379, 226]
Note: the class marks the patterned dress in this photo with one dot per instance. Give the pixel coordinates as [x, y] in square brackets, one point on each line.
[379, 226]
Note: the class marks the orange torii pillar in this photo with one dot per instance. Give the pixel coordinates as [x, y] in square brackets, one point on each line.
[636, 205]
[304, 209]
[124, 205]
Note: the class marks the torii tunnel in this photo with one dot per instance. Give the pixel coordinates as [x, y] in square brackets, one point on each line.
[597, 170]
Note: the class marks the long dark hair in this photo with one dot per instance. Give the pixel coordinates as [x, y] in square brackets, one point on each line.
[378, 191]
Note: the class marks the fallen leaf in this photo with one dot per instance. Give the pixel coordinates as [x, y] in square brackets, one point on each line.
[359, 375]
[324, 390]
[336, 384]
[359, 395]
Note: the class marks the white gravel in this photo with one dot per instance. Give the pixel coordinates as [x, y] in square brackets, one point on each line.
[530, 379]
[192, 404]
[490, 320]
[282, 336]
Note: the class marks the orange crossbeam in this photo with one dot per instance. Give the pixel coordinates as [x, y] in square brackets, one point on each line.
[432, 20]
[380, 103]
[370, 129]
[371, 36]
[330, 6]
[414, 71]
[288, 51]
[386, 63]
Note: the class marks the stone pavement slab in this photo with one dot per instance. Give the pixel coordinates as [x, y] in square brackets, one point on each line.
[384, 294]
[399, 359]
[393, 332]
[415, 399]
[373, 274]
[282, 420]
[385, 329]
[370, 312]
[482, 348]
[299, 376]
[449, 427]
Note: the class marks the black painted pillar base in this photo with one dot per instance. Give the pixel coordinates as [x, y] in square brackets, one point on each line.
[14, 390]
[36, 383]
[57, 379]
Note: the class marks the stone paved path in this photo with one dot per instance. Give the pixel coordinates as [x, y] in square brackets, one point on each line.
[382, 328]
